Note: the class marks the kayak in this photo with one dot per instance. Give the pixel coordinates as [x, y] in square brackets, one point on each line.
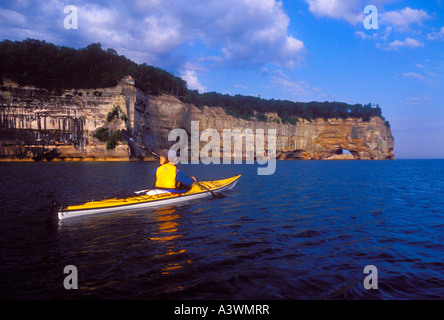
[148, 198]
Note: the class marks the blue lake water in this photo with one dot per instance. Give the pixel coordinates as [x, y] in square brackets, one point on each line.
[305, 232]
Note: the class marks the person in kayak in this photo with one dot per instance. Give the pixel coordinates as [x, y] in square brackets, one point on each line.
[169, 177]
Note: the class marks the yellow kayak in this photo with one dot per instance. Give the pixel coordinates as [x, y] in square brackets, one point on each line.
[148, 198]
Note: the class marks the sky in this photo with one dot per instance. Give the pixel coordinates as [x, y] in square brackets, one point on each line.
[304, 50]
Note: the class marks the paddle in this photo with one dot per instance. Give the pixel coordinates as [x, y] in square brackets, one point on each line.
[128, 137]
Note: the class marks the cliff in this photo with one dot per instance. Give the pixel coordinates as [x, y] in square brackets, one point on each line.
[37, 124]
[318, 139]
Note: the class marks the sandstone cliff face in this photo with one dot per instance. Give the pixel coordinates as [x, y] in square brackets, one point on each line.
[318, 139]
[38, 124]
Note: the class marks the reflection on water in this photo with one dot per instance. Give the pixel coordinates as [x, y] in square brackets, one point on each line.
[167, 232]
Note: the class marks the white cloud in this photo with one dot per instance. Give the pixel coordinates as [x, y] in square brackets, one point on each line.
[193, 82]
[281, 74]
[11, 18]
[396, 22]
[407, 43]
[352, 12]
[163, 32]
[349, 10]
[241, 86]
[251, 33]
[436, 35]
[297, 88]
[421, 100]
[300, 89]
[403, 19]
[241, 32]
[376, 36]
[362, 35]
[413, 75]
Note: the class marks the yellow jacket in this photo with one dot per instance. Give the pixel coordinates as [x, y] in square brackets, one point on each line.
[166, 176]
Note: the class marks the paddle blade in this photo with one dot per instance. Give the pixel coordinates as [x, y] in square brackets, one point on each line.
[127, 136]
[214, 194]
[218, 195]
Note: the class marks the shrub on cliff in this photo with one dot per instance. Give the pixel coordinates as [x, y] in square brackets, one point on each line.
[112, 140]
[116, 113]
[101, 134]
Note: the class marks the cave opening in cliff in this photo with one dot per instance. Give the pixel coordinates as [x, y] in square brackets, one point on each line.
[342, 153]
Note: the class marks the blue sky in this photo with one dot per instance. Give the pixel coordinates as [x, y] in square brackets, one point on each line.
[297, 50]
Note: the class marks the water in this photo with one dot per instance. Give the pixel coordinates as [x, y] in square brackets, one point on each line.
[306, 232]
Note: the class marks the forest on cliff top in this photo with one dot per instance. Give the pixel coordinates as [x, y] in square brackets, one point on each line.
[45, 65]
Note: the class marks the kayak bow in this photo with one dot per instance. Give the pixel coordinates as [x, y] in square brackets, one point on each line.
[150, 198]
